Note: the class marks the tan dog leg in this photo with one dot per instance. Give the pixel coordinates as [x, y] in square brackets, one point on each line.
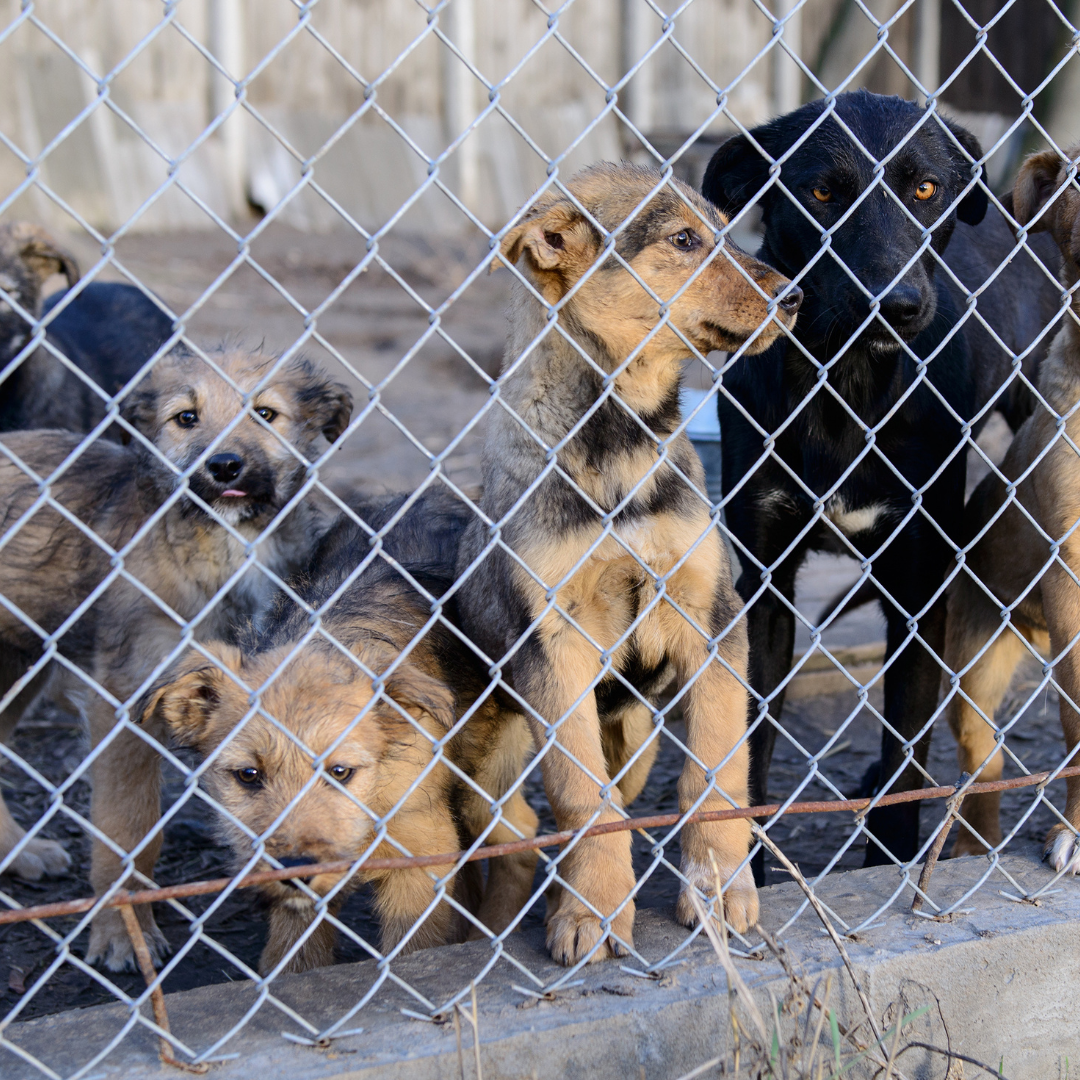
[510, 878]
[598, 868]
[38, 857]
[971, 622]
[715, 710]
[125, 805]
[622, 737]
[402, 897]
[1061, 603]
[289, 919]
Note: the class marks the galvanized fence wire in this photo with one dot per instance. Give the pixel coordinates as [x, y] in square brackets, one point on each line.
[191, 632]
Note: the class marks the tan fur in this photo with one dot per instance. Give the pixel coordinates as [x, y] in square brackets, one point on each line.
[183, 558]
[601, 584]
[324, 701]
[1012, 559]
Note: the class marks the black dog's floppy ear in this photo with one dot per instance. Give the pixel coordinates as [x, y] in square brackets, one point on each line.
[553, 236]
[1036, 181]
[972, 208]
[736, 173]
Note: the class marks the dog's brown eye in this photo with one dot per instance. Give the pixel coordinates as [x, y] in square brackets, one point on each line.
[822, 194]
[249, 776]
[684, 239]
[187, 418]
[925, 190]
[267, 414]
[340, 773]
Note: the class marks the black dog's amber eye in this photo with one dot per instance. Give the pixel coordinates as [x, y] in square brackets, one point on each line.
[187, 418]
[266, 413]
[684, 239]
[249, 776]
[340, 773]
[822, 194]
[925, 190]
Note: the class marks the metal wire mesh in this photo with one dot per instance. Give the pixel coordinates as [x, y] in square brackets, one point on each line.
[661, 86]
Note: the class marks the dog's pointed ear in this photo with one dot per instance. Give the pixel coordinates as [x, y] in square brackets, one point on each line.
[185, 697]
[735, 174]
[1035, 183]
[417, 692]
[43, 255]
[972, 208]
[554, 236]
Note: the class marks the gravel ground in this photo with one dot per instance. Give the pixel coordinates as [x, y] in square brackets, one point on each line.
[370, 326]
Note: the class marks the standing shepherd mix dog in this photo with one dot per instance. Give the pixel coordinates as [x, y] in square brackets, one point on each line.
[49, 566]
[604, 576]
[821, 461]
[376, 755]
[108, 331]
[1013, 560]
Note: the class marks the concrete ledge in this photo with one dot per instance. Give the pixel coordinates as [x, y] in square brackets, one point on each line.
[1004, 977]
[819, 675]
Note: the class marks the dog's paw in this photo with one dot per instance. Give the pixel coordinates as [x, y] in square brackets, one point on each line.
[1062, 850]
[740, 896]
[573, 930]
[40, 858]
[966, 844]
[111, 948]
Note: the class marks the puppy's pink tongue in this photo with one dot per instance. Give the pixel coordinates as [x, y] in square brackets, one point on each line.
[232, 493]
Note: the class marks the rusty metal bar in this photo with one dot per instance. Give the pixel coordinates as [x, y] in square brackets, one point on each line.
[656, 821]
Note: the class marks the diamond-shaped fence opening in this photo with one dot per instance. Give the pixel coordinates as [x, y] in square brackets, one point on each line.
[426, 604]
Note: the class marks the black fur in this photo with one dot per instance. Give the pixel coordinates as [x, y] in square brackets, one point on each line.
[108, 331]
[870, 374]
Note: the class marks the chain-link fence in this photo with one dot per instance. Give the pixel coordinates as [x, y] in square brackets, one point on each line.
[420, 641]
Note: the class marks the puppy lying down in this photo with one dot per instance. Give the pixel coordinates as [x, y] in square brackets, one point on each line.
[325, 767]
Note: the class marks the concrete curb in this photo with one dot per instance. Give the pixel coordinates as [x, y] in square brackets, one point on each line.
[1003, 979]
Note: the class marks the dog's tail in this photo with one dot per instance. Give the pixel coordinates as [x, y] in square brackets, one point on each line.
[837, 607]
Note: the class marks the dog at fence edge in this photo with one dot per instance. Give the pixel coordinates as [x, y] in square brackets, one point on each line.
[374, 755]
[107, 331]
[604, 581]
[877, 254]
[1012, 565]
[246, 473]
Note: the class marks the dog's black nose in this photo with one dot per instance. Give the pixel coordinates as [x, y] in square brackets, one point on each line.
[225, 468]
[290, 863]
[901, 305]
[792, 302]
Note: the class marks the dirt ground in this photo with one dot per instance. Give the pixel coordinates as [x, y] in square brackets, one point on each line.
[375, 321]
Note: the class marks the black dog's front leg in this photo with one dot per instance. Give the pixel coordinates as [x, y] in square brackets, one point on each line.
[912, 684]
[771, 631]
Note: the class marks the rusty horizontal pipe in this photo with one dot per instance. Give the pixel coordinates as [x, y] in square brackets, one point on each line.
[656, 821]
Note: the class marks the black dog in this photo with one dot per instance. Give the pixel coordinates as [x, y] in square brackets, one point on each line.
[865, 486]
[108, 331]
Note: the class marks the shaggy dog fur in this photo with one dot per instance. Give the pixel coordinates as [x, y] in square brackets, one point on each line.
[573, 617]
[372, 753]
[1012, 557]
[180, 542]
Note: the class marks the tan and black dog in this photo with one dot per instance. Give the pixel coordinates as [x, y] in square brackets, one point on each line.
[653, 590]
[1013, 560]
[246, 464]
[376, 755]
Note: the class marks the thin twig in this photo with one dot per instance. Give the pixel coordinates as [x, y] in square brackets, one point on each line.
[953, 812]
[761, 835]
[157, 997]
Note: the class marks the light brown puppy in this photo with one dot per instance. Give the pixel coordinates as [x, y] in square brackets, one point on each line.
[377, 763]
[176, 556]
[652, 585]
[1014, 560]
